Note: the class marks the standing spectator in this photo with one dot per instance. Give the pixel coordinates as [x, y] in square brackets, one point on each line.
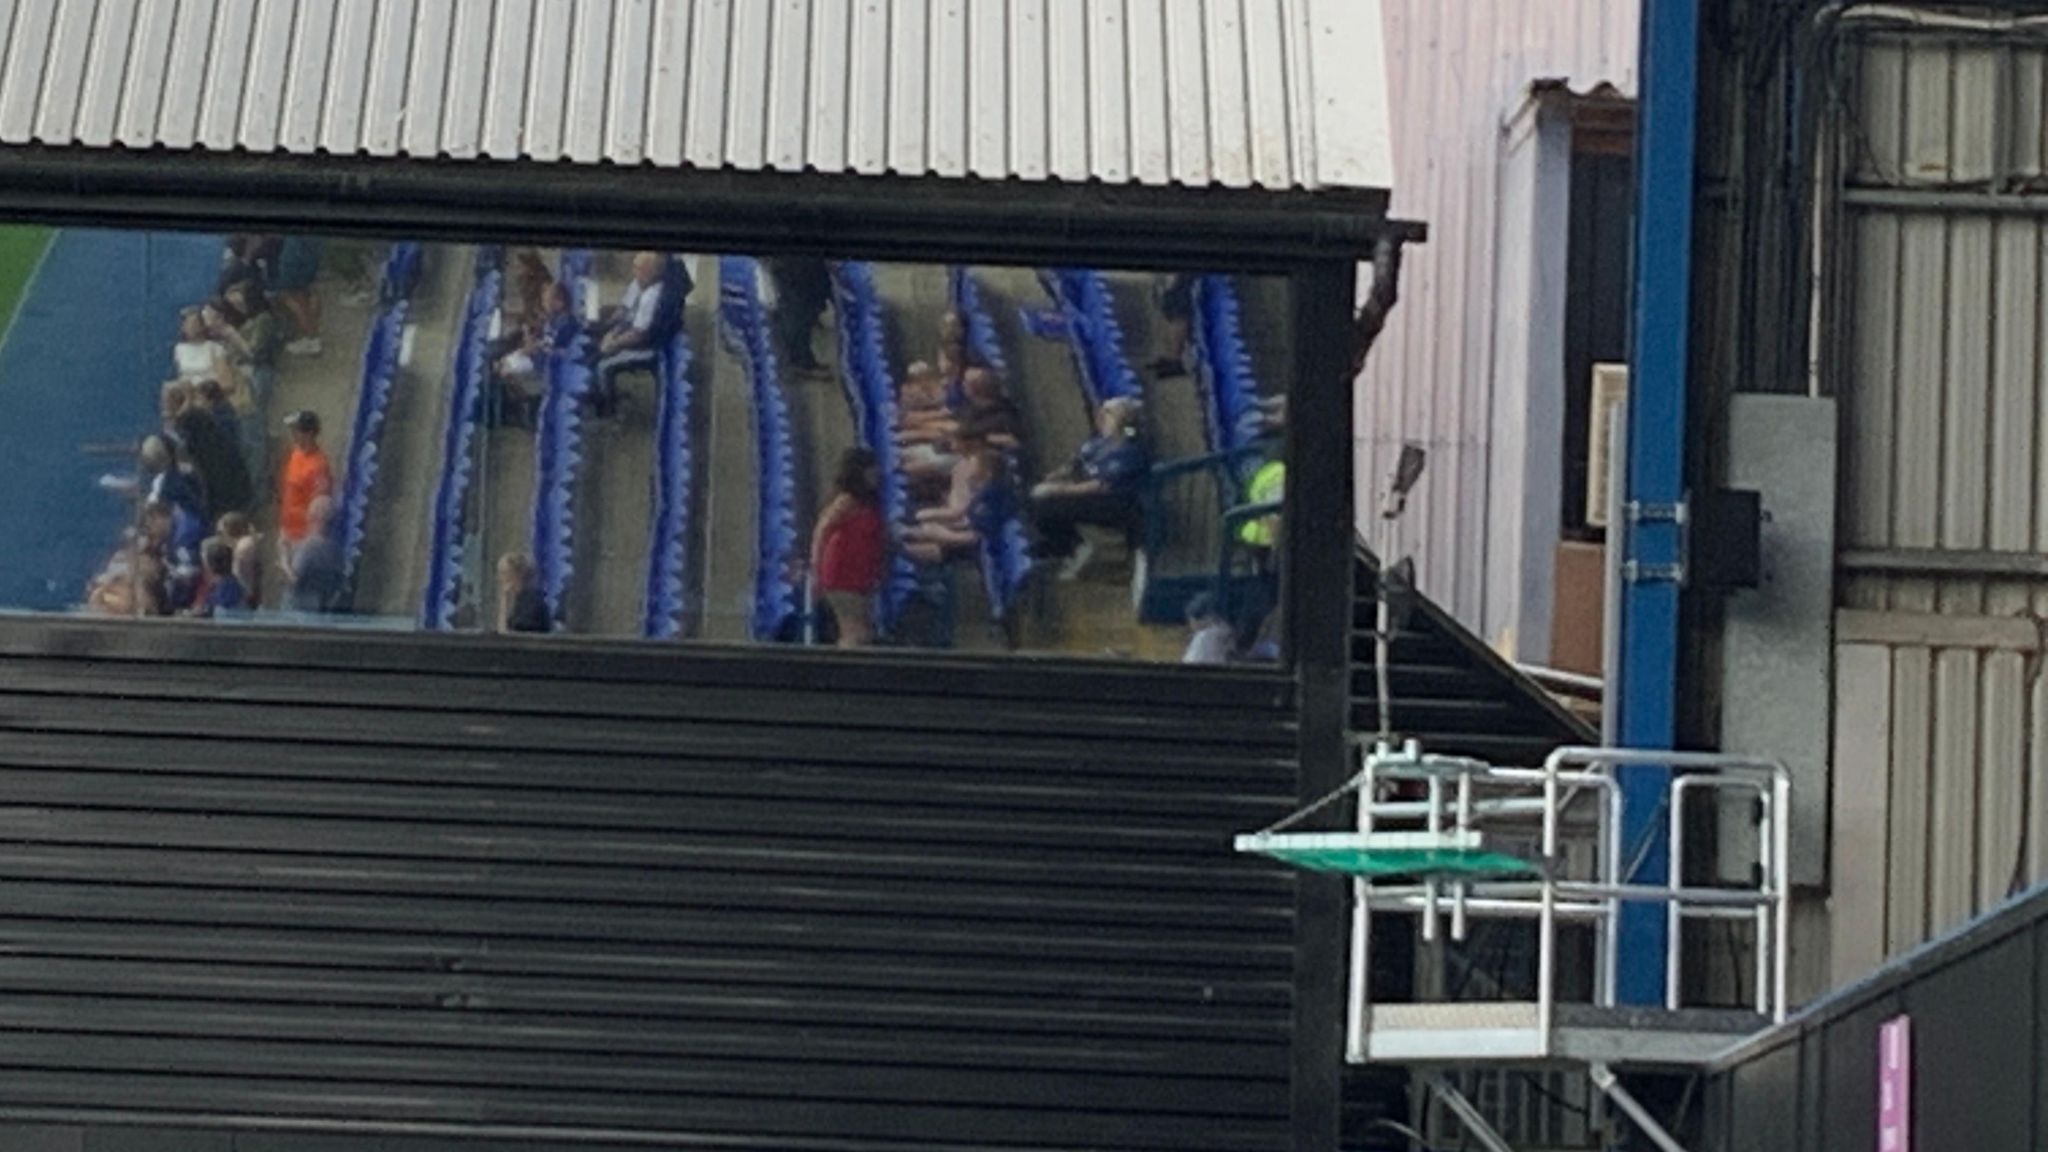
[198, 356]
[307, 478]
[241, 535]
[214, 453]
[248, 260]
[1099, 486]
[313, 567]
[240, 427]
[298, 265]
[160, 478]
[628, 336]
[1176, 297]
[526, 279]
[521, 605]
[850, 547]
[254, 339]
[803, 290]
[224, 591]
[170, 539]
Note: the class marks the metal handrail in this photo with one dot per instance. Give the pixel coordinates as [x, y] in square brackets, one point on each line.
[1570, 777]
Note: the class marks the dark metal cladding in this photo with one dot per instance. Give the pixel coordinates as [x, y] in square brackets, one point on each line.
[1979, 1032]
[695, 894]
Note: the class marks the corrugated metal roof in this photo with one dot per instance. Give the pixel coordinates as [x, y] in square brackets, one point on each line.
[1268, 93]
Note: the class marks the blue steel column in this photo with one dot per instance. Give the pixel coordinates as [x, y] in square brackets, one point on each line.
[1648, 676]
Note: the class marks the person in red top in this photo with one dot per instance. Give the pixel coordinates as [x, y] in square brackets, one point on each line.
[307, 477]
[850, 547]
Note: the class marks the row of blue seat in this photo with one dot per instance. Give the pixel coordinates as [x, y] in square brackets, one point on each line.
[871, 393]
[558, 452]
[1006, 553]
[1223, 366]
[744, 328]
[1084, 315]
[668, 551]
[458, 444]
[373, 401]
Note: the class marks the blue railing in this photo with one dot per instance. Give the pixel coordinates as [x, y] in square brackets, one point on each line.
[673, 470]
[871, 393]
[458, 443]
[373, 402]
[558, 462]
[1006, 550]
[1084, 315]
[1223, 367]
[743, 326]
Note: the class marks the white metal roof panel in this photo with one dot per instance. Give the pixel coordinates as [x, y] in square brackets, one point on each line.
[1267, 93]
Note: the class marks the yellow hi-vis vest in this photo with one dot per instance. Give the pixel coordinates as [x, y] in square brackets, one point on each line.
[1268, 486]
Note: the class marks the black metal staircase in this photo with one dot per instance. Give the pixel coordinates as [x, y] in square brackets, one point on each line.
[1459, 697]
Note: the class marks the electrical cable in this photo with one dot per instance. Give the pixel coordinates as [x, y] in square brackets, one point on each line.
[1414, 1138]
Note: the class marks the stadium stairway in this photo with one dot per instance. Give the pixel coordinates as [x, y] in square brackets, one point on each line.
[1450, 691]
[1457, 697]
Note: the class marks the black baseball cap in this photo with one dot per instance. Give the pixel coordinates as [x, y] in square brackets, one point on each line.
[304, 420]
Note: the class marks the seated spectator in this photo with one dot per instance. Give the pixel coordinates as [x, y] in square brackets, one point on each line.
[1099, 486]
[313, 567]
[953, 364]
[850, 547]
[627, 335]
[1213, 640]
[198, 356]
[922, 415]
[222, 592]
[955, 526]
[307, 477]
[987, 412]
[521, 605]
[518, 370]
[241, 535]
[213, 450]
[291, 285]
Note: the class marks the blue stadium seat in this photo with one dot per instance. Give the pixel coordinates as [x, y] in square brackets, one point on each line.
[465, 410]
[743, 327]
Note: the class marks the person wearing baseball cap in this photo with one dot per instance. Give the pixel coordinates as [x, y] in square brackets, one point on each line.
[307, 477]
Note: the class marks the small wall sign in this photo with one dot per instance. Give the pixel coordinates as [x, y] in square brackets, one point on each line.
[1895, 1085]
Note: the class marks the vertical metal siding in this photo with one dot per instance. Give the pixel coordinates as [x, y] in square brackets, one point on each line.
[1945, 388]
[1456, 73]
[1267, 93]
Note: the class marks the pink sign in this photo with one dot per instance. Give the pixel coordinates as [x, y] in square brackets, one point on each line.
[1895, 1085]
